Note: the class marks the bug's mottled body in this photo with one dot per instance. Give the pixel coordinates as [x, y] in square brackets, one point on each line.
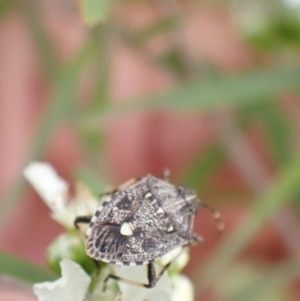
[158, 217]
[141, 222]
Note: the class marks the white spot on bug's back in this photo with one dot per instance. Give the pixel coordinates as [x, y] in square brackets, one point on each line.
[132, 264]
[148, 195]
[126, 230]
[100, 208]
[160, 210]
[170, 228]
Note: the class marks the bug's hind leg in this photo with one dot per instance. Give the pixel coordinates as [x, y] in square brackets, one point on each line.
[196, 239]
[152, 279]
[82, 220]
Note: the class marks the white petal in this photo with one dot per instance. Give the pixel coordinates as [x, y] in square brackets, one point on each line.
[83, 203]
[291, 3]
[51, 188]
[183, 288]
[161, 292]
[72, 286]
[181, 255]
[54, 192]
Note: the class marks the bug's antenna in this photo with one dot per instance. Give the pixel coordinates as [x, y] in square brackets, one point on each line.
[217, 216]
[166, 174]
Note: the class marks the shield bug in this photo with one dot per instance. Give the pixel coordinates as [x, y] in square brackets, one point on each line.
[141, 221]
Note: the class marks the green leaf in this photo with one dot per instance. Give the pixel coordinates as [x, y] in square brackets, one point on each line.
[280, 131]
[101, 63]
[5, 5]
[207, 94]
[22, 269]
[234, 90]
[46, 50]
[91, 179]
[263, 209]
[94, 11]
[278, 125]
[62, 105]
[161, 26]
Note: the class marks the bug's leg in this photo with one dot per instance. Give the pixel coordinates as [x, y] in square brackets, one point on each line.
[86, 220]
[128, 183]
[97, 264]
[217, 216]
[196, 239]
[152, 278]
[82, 219]
[121, 187]
[150, 273]
[195, 236]
[106, 193]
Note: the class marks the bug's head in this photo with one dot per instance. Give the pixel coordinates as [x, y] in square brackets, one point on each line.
[191, 201]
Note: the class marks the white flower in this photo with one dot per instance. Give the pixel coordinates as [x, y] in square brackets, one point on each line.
[291, 3]
[179, 256]
[182, 288]
[72, 286]
[54, 191]
[165, 286]
[162, 291]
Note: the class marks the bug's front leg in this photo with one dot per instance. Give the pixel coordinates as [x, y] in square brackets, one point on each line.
[86, 220]
[121, 187]
[82, 219]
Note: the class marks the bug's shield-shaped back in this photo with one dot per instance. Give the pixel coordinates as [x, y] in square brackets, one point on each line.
[174, 204]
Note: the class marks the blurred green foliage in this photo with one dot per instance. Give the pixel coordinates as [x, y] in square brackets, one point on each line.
[94, 11]
[68, 245]
[22, 269]
[254, 96]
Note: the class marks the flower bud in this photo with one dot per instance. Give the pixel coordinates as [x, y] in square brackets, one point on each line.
[69, 245]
